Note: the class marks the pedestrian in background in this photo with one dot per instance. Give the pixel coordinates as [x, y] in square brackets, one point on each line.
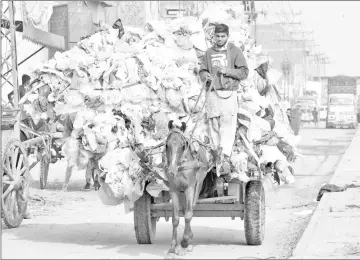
[315, 115]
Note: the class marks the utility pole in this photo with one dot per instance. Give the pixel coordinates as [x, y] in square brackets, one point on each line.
[249, 9]
[324, 61]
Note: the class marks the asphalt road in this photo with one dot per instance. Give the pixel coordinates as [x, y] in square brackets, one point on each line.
[77, 225]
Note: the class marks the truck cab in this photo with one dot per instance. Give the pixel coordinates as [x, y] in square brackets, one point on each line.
[342, 112]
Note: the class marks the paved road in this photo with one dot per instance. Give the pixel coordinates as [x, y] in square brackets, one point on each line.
[76, 224]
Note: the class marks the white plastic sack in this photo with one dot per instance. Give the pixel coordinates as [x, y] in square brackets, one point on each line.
[261, 123]
[137, 93]
[273, 76]
[107, 196]
[284, 173]
[271, 154]
[155, 188]
[254, 133]
[198, 39]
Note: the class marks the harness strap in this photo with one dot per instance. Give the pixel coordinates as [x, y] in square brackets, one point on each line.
[190, 165]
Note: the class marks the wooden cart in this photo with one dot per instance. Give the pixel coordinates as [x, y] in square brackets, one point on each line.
[16, 144]
[15, 167]
[247, 202]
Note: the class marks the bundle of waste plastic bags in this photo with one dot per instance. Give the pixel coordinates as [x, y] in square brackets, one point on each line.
[121, 94]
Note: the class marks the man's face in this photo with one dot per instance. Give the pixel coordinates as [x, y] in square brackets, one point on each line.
[221, 39]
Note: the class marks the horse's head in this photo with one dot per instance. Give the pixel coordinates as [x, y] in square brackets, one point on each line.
[176, 145]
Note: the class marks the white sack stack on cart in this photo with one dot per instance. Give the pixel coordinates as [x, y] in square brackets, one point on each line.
[122, 94]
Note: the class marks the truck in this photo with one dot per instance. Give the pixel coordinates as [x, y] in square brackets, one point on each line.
[342, 102]
[307, 101]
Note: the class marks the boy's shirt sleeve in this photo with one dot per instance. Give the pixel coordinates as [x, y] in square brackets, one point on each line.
[241, 70]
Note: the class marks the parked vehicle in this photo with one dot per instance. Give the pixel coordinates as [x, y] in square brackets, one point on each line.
[306, 115]
[342, 105]
[322, 113]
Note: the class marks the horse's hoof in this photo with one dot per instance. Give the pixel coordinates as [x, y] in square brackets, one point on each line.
[170, 255]
[87, 187]
[180, 251]
[97, 185]
[190, 248]
[64, 189]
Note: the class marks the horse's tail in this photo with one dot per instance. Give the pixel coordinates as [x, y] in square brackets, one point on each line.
[209, 184]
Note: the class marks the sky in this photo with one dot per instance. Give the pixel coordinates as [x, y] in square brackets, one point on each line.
[335, 25]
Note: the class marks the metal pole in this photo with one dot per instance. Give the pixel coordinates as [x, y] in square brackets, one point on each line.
[1, 67]
[14, 67]
[25, 59]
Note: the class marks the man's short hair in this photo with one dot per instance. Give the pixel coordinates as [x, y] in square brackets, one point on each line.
[222, 28]
[25, 78]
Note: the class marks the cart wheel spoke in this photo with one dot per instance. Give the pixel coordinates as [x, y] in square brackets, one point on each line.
[6, 177]
[7, 182]
[5, 168]
[8, 167]
[14, 156]
[8, 190]
[23, 170]
[20, 163]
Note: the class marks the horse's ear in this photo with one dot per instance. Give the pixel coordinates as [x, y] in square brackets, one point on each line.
[170, 124]
[183, 126]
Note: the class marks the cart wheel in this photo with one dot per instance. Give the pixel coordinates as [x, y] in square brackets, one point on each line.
[14, 182]
[44, 171]
[145, 225]
[254, 219]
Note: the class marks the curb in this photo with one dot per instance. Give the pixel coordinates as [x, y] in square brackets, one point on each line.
[322, 207]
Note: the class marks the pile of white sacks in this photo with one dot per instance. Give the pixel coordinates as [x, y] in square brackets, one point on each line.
[122, 93]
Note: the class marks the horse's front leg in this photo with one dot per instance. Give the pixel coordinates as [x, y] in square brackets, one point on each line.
[175, 221]
[189, 211]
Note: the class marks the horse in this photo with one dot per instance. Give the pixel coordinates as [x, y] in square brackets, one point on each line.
[185, 172]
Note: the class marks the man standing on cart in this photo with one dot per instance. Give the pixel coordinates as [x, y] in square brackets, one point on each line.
[222, 68]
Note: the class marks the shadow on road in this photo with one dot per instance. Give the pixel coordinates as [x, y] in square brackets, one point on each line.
[109, 235]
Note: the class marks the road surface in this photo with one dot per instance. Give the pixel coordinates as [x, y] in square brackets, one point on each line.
[77, 225]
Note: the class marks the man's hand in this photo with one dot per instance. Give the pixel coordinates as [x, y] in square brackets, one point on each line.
[209, 78]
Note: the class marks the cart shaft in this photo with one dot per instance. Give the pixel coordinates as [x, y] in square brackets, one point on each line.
[35, 140]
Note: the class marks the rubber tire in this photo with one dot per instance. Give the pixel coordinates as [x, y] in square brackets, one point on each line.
[145, 225]
[44, 172]
[254, 215]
